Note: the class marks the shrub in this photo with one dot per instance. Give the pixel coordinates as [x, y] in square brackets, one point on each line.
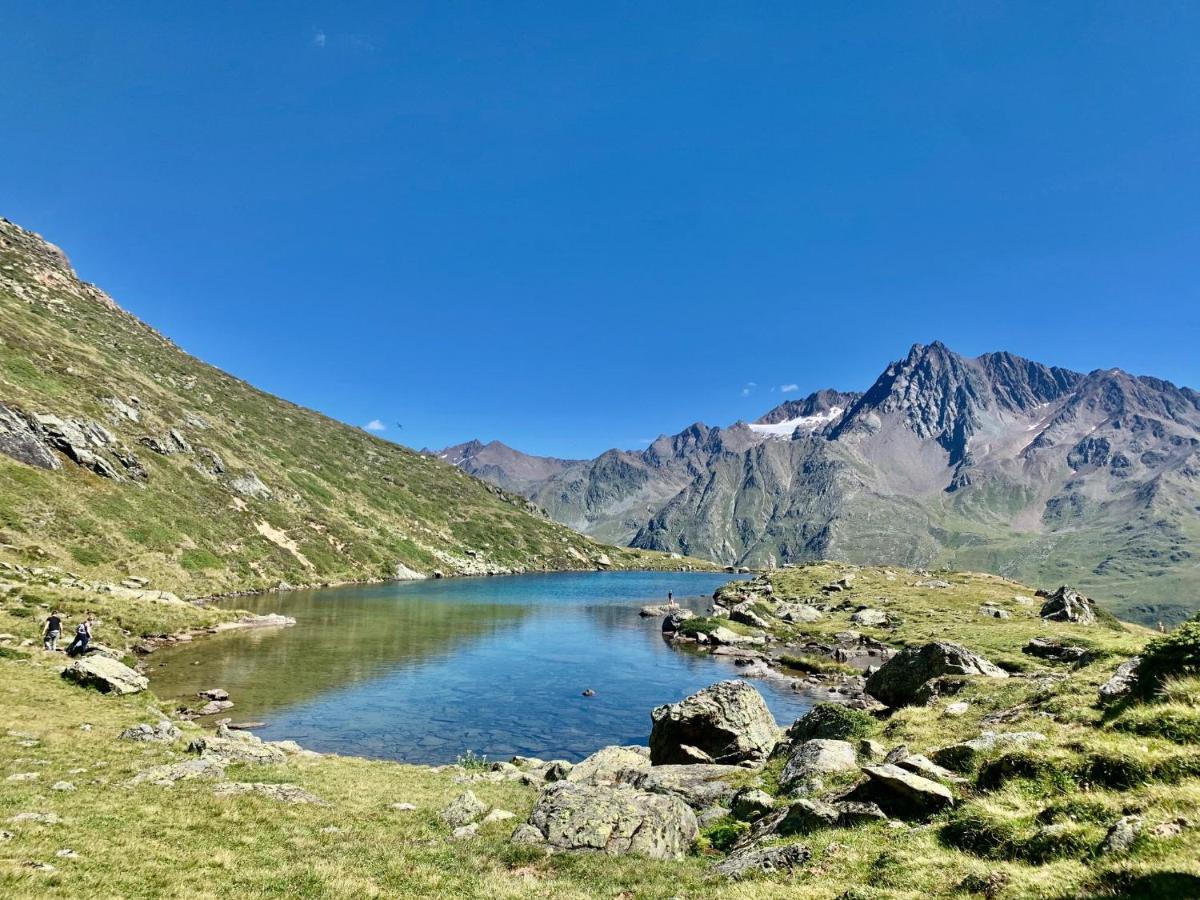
[834, 721]
[724, 834]
[1173, 655]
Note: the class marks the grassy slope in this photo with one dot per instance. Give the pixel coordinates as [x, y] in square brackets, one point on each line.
[353, 505]
[183, 841]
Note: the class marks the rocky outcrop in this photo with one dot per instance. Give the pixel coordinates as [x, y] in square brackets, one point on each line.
[899, 792]
[284, 793]
[1068, 605]
[162, 733]
[899, 680]
[727, 723]
[1122, 681]
[23, 440]
[700, 786]
[105, 675]
[613, 820]
[1054, 650]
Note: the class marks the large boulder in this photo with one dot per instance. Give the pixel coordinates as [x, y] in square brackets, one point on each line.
[610, 765]
[105, 675]
[23, 440]
[1068, 605]
[614, 820]
[815, 758]
[727, 723]
[899, 680]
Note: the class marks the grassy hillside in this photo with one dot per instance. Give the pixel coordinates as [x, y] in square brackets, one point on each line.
[218, 486]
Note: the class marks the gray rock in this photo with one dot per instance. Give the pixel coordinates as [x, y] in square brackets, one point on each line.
[899, 680]
[729, 638]
[284, 793]
[463, 810]
[527, 834]
[214, 694]
[238, 747]
[1049, 648]
[798, 613]
[189, 770]
[871, 618]
[728, 723]
[212, 707]
[249, 484]
[62, 786]
[994, 612]
[766, 860]
[801, 817]
[699, 786]
[927, 768]
[1068, 605]
[106, 675]
[672, 622]
[614, 820]
[1122, 681]
[465, 832]
[1121, 835]
[853, 813]
[609, 765]
[36, 818]
[23, 440]
[498, 815]
[820, 756]
[750, 804]
[747, 615]
[899, 792]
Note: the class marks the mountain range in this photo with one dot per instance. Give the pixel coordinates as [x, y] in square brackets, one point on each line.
[993, 462]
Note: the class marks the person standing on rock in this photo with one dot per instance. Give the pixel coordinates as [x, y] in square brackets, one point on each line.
[83, 634]
[51, 631]
[671, 604]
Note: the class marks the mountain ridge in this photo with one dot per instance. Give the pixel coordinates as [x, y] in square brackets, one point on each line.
[995, 462]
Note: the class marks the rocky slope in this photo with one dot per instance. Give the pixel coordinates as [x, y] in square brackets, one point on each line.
[995, 462]
[121, 455]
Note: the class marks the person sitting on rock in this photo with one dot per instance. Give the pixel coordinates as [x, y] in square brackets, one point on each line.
[51, 631]
[83, 634]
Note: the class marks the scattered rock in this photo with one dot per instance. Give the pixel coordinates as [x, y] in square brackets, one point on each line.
[871, 618]
[956, 709]
[498, 815]
[700, 786]
[614, 820]
[284, 793]
[1122, 681]
[66, 853]
[250, 485]
[465, 832]
[402, 807]
[1167, 830]
[817, 757]
[899, 792]
[463, 810]
[853, 813]
[994, 612]
[161, 733]
[609, 765]
[798, 613]
[62, 786]
[750, 804]
[1121, 835]
[527, 834]
[36, 818]
[730, 638]
[106, 675]
[1068, 605]
[1049, 648]
[213, 694]
[747, 615]
[212, 707]
[22, 776]
[167, 775]
[675, 620]
[728, 722]
[23, 439]
[768, 860]
[242, 748]
[899, 679]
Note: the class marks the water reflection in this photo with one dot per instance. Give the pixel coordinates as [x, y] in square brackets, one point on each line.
[423, 672]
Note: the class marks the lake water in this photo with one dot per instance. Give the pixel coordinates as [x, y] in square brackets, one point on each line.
[425, 671]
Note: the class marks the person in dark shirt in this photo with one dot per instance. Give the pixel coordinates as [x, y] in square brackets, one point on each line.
[51, 631]
[83, 634]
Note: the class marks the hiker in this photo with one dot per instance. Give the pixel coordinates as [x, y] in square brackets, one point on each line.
[83, 634]
[671, 604]
[51, 631]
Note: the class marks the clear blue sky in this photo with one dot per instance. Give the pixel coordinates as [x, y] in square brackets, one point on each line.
[575, 226]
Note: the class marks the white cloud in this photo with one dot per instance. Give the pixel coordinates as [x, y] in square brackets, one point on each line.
[748, 388]
[375, 425]
[319, 39]
[788, 388]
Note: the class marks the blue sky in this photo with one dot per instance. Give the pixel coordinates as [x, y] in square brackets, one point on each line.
[576, 226]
